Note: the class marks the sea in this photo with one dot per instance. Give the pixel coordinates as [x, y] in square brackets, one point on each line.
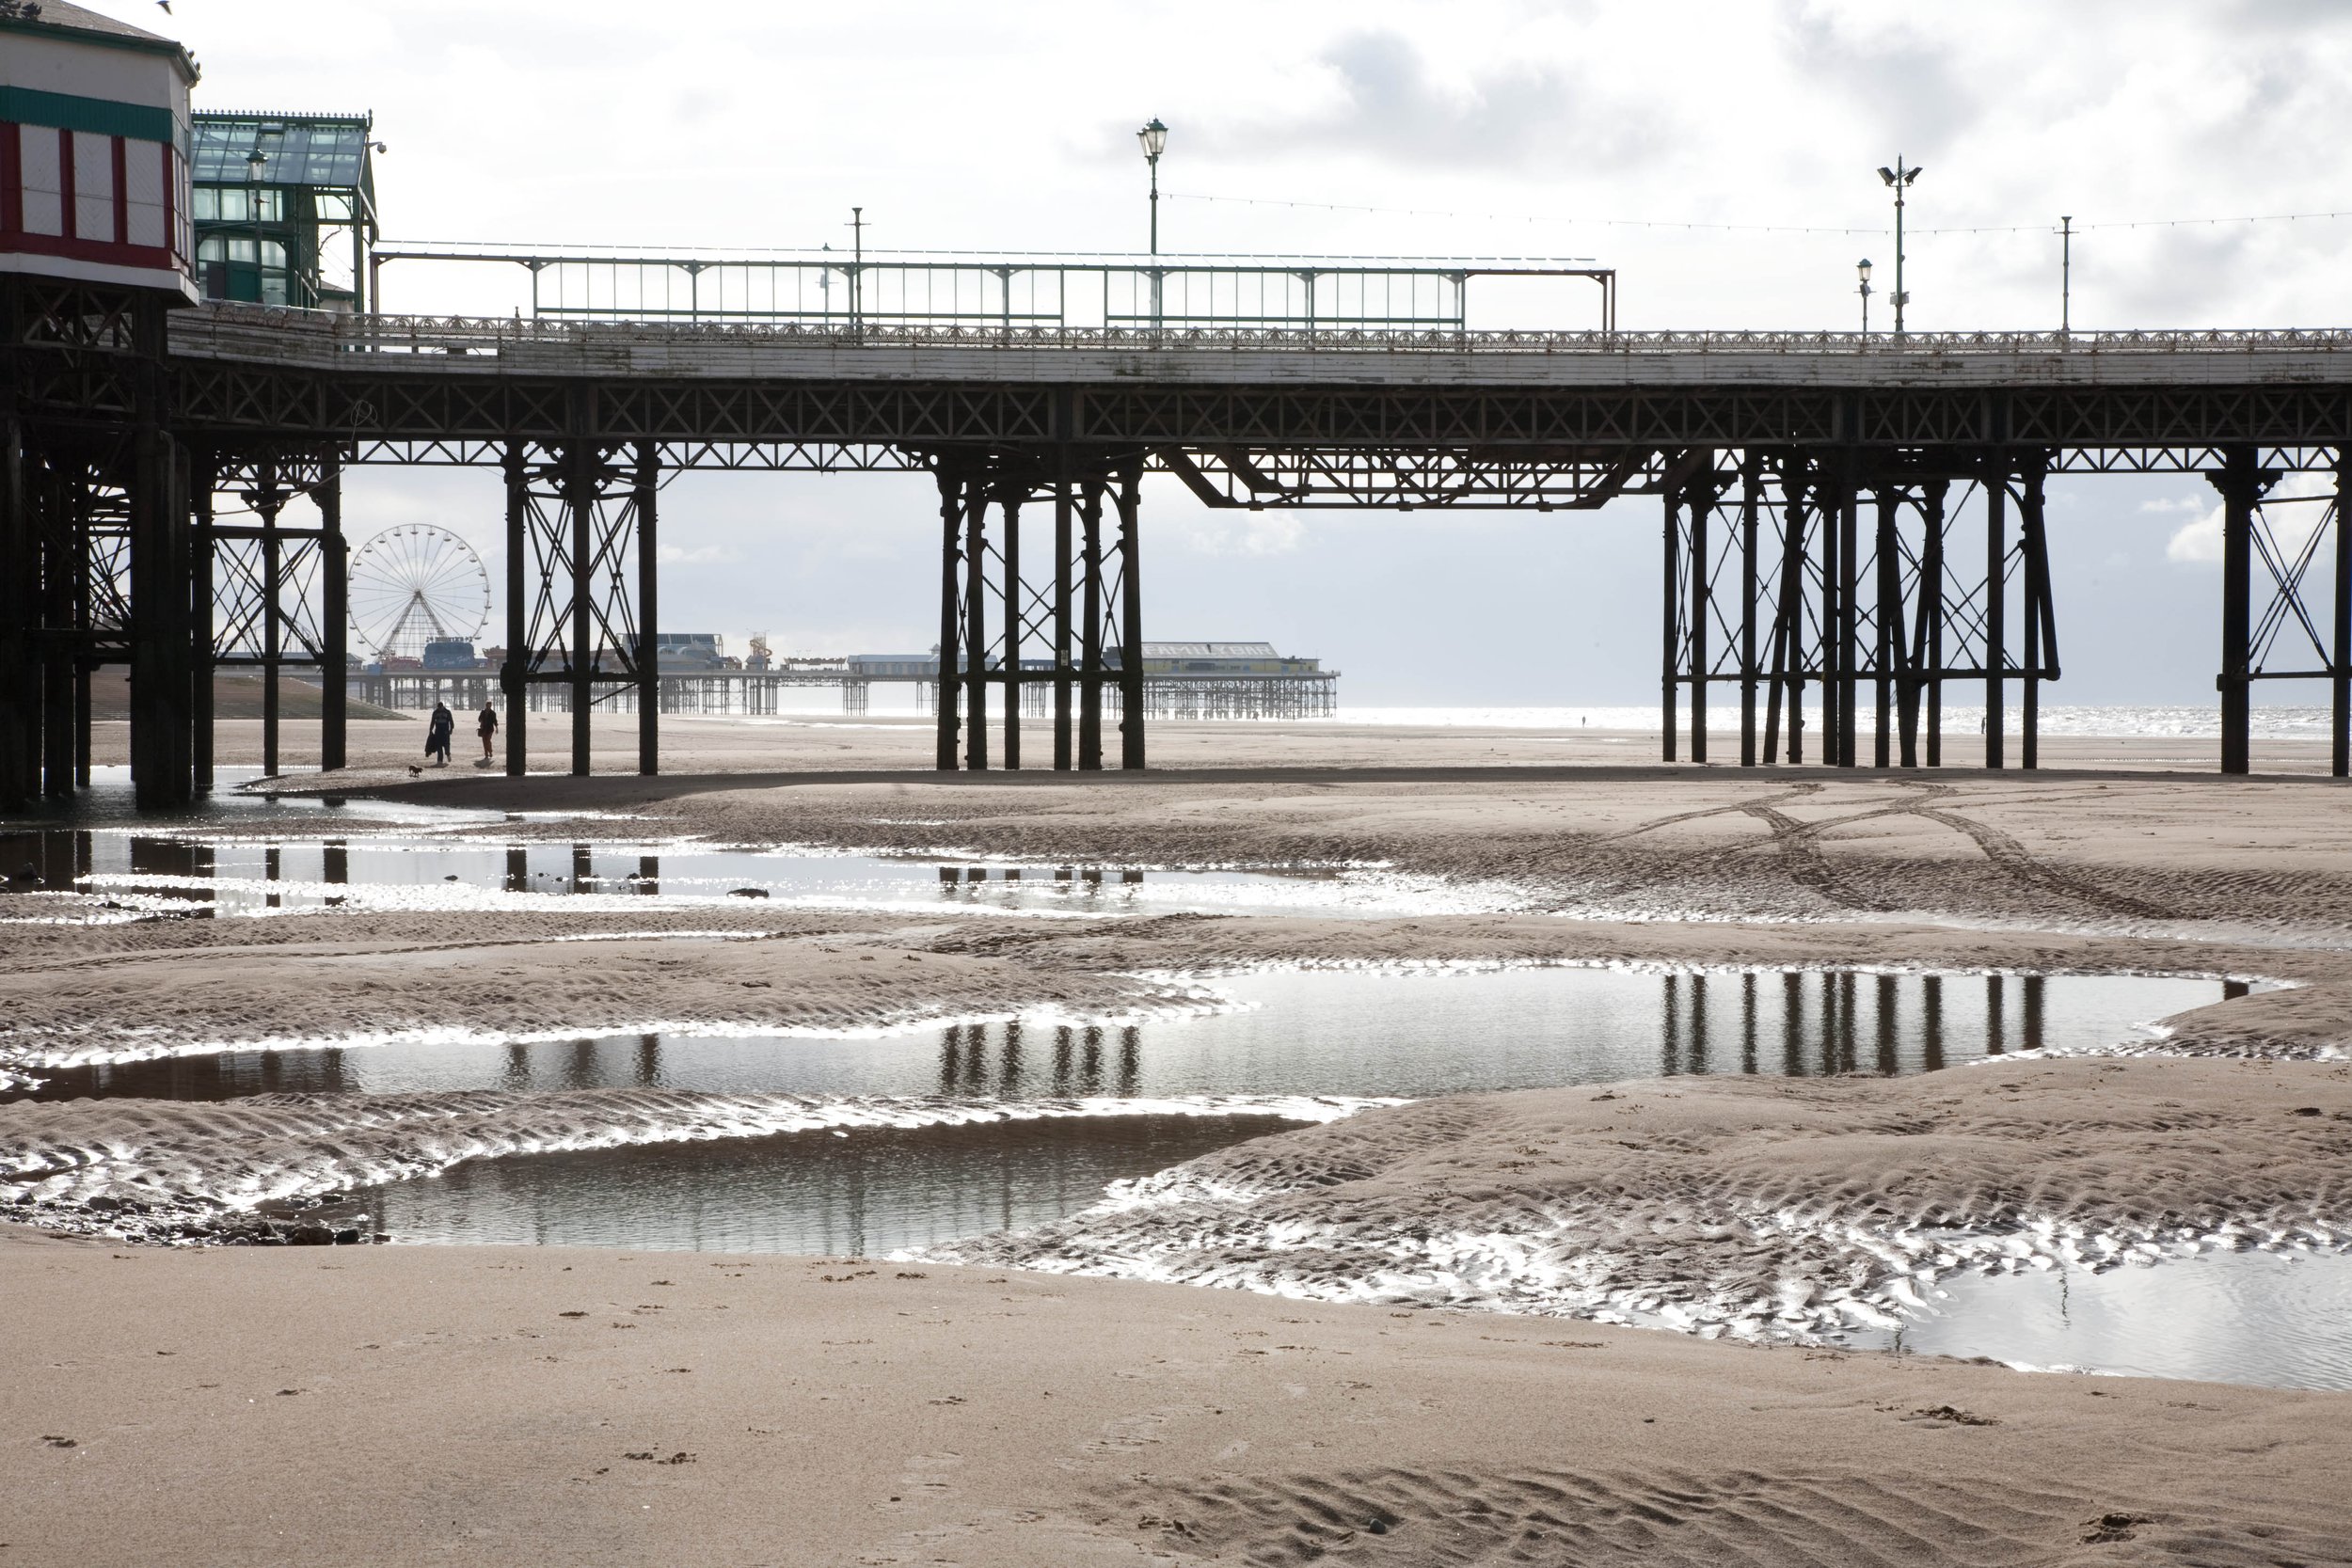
[2108, 721]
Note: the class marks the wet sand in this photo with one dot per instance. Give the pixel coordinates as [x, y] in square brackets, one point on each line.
[995, 1416]
[306, 1407]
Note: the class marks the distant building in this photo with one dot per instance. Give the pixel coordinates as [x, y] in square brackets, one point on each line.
[1219, 659]
[688, 652]
[1181, 680]
[886, 667]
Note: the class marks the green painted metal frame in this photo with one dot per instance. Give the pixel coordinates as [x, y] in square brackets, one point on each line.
[825, 289]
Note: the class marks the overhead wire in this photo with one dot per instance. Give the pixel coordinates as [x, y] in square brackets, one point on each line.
[1751, 227]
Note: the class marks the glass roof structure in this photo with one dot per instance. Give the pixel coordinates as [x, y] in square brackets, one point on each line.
[284, 207]
[328, 152]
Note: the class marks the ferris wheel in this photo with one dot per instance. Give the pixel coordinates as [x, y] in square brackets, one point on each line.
[417, 584]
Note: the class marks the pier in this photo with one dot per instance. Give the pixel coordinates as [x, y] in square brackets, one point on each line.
[1847, 520]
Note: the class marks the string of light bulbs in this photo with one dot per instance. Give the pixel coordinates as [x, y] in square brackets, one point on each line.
[1752, 228]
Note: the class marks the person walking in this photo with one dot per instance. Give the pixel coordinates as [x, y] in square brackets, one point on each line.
[488, 725]
[436, 734]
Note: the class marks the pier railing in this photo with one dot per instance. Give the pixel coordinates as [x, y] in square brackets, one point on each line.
[837, 291]
[312, 337]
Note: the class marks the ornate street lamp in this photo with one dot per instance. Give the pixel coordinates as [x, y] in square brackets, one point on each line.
[254, 162]
[1864, 268]
[1155, 139]
[1899, 179]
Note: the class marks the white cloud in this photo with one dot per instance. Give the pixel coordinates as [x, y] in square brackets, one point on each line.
[2199, 543]
[2293, 512]
[673, 554]
[1242, 533]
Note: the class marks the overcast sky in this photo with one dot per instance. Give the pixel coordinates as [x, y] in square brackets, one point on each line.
[1563, 130]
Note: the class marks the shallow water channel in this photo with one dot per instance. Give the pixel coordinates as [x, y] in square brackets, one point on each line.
[2281, 1318]
[1347, 1034]
[254, 858]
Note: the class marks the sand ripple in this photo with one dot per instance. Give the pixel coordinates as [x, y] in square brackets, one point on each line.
[1763, 1208]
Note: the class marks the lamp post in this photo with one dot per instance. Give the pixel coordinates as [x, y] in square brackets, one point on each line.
[254, 161]
[2066, 275]
[1901, 180]
[1155, 139]
[1864, 268]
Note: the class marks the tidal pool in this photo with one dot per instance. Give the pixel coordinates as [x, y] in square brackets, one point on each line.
[2282, 1319]
[262, 870]
[1407, 1033]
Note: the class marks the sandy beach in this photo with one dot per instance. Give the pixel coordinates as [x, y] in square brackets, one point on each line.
[1352, 1398]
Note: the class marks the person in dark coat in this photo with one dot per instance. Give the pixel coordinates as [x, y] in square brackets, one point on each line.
[436, 733]
[488, 725]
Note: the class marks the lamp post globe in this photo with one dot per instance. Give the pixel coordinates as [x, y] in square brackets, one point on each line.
[1899, 179]
[1862, 268]
[1155, 139]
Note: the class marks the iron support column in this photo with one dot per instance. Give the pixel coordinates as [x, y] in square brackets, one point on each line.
[1995, 603]
[66, 563]
[1670, 617]
[2241, 484]
[1930, 642]
[334, 617]
[20, 686]
[1751, 476]
[1130, 615]
[1064, 753]
[2032, 544]
[975, 625]
[1849, 604]
[1787, 675]
[1008, 507]
[162, 665]
[648, 485]
[269, 502]
[202, 737]
[72, 500]
[1701, 500]
[948, 690]
[514, 674]
[2339, 659]
[1091, 625]
[1887, 624]
[579, 502]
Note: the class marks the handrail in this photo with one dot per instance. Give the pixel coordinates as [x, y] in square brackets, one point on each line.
[222, 327]
[827, 288]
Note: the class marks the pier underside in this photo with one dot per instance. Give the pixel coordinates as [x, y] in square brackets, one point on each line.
[1840, 560]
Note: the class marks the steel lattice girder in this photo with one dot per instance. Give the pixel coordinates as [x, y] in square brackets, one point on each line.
[219, 397]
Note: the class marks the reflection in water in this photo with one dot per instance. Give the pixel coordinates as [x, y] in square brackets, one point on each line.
[964, 1066]
[1823, 1016]
[258, 871]
[854, 1196]
[1304, 1033]
[1314, 1032]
